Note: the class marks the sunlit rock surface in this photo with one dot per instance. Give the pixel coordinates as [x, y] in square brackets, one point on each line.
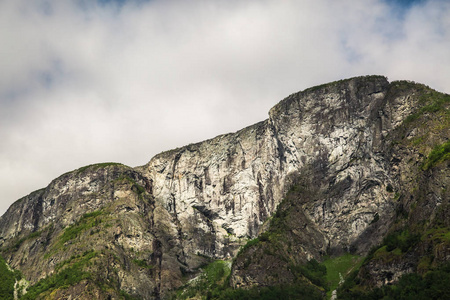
[143, 231]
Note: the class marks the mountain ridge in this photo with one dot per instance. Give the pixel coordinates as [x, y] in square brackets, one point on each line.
[337, 158]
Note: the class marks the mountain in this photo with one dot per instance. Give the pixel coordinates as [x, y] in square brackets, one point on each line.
[347, 180]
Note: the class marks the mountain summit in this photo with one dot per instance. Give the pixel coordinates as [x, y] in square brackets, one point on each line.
[353, 171]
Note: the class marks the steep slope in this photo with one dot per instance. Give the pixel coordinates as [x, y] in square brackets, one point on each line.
[97, 227]
[410, 188]
[332, 170]
[418, 241]
[237, 180]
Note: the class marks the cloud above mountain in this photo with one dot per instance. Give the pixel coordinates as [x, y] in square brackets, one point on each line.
[93, 81]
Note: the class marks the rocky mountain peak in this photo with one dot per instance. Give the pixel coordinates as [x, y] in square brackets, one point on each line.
[329, 172]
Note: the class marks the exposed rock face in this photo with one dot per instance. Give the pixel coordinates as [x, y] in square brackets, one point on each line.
[235, 182]
[239, 179]
[100, 218]
[150, 226]
[362, 182]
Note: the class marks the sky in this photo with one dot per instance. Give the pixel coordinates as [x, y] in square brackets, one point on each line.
[84, 82]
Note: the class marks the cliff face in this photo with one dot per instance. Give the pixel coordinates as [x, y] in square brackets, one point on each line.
[380, 184]
[326, 173]
[99, 219]
[230, 185]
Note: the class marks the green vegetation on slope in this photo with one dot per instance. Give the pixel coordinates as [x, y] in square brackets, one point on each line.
[433, 285]
[338, 269]
[135, 187]
[213, 284]
[430, 279]
[434, 102]
[439, 154]
[64, 278]
[316, 273]
[7, 280]
[143, 263]
[402, 240]
[19, 242]
[426, 127]
[209, 284]
[86, 222]
[305, 292]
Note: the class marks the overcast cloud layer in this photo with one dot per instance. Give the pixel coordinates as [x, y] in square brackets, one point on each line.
[84, 82]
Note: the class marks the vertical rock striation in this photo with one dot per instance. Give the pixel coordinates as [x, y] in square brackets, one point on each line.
[333, 147]
[226, 188]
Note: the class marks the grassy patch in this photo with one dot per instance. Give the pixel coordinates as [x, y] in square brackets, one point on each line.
[86, 222]
[338, 268]
[387, 256]
[209, 284]
[439, 154]
[86, 256]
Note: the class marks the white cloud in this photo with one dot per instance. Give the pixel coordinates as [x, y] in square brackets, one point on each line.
[84, 83]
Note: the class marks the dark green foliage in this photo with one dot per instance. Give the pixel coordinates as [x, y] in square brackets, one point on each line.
[7, 280]
[435, 101]
[299, 291]
[438, 154]
[142, 263]
[350, 282]
[403, 240]
[411, 118]
[315, 272]
[433, 285]
[138, 189]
